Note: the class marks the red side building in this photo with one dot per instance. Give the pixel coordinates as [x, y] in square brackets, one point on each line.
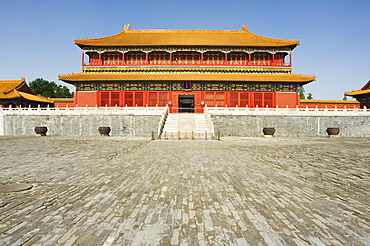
[186, 69]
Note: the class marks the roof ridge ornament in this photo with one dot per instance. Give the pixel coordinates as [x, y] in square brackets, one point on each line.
[245, 28]
[126, 27]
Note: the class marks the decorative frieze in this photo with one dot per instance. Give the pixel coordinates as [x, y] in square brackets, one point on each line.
[193, 86]
[184, 48]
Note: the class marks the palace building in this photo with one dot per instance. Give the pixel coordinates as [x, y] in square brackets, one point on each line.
[186, 70]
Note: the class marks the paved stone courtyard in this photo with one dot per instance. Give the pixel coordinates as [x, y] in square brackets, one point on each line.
[237, 191]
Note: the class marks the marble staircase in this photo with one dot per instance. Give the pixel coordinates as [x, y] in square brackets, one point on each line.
[186, 126]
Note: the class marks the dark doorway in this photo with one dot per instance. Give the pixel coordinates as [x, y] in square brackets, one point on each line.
[186, 103]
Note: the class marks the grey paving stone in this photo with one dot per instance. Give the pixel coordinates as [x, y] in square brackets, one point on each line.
[238, 191]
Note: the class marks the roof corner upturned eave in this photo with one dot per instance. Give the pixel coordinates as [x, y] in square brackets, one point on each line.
[91, 41]
[366, 86]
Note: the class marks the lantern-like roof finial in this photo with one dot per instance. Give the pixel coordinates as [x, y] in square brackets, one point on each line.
[126, 27]
[245, 28]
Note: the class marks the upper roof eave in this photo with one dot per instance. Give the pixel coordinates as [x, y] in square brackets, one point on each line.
[228, 38]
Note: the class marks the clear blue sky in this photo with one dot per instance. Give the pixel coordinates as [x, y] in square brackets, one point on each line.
[37, 36]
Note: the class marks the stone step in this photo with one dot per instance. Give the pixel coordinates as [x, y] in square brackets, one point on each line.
[189, 125]
[186, 135]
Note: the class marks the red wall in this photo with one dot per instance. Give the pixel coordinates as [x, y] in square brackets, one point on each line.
[64, 105]
[280, 99]
[89, 98]
[283, 99]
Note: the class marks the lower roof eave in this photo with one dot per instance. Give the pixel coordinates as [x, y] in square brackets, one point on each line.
[178, 77]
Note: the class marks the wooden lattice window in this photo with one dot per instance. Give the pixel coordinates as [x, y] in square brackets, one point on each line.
[240, 99]
[139, 99]
[152, 98]
[268, 99]
[234, 99]
[132, 99]
[109, 98]
[158, 98]
[163, 99]
[114, 99]
[129, 99]
[209, 99]
[244, 99]
[104, 98]
[220, 99]
[258, 99]
[263, 99]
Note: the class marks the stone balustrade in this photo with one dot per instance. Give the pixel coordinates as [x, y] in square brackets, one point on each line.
[83, 110]
[287, 111]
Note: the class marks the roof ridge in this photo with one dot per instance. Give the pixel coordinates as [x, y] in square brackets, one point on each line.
[14, 80]
[127, 28]
[183, 31]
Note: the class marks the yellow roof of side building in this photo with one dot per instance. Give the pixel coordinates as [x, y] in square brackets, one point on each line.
[357, 92]
[236, 38]
[19, 89]
[8, 88]
[217, 77]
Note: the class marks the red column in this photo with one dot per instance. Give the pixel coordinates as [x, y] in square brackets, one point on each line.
[100, 59]
[249, 58]
[123, 58]
[171, 57]
[83, 58]
[225, 62]
[291, 59]
[147, 58]
[273, 58]
[202, 58]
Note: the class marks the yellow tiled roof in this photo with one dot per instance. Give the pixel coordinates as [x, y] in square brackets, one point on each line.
[8, 88]
[67, 99]
[358, 92]
[18, 88]
[242, 77]
[187, 38]
[36, 98]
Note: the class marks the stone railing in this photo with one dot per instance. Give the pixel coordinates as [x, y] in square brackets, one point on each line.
[209, 120]
[207, 110]
[287, 111]
[84, 110]
[162, 121]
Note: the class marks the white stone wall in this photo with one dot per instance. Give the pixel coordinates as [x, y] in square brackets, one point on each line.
[1, 125]
[80, 125]
[291, 125]
[142, 121]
